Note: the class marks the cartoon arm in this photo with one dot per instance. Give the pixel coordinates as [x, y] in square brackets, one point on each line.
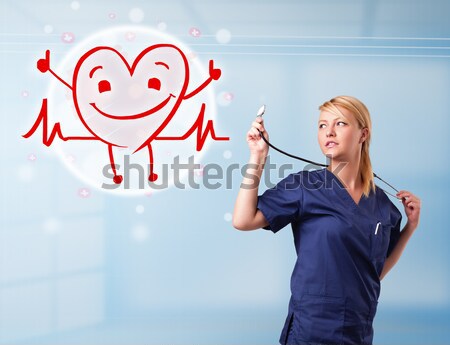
[47, 139]
[43, 65]
[202, 134]
[214, 74]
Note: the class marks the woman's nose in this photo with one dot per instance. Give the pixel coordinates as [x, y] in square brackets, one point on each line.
[330, 132]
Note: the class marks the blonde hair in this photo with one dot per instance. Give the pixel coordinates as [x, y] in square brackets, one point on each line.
[362, 116]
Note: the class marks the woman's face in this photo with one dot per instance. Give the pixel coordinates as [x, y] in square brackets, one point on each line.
[340, 138]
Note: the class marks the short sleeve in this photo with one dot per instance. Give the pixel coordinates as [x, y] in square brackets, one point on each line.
[396, 220]
[280, 205]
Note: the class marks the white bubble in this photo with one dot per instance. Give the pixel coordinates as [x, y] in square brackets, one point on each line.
[195, 32]
[162, 26]
[51, 226]
[130, 36]
[48, 29]
[139, 233]
[223, 99]
[70, 158]
[75, 5]
[84, 193]
[223, 36]
[227, 217]
[67, 37]
[140, 209]
[136, 15]
[227, 154]
[26, 173]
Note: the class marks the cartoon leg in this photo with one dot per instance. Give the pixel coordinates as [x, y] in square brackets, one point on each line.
[117, 178]
[152, 177]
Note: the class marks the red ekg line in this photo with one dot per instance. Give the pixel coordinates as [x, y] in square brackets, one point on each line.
[56, 131]
[201, 135]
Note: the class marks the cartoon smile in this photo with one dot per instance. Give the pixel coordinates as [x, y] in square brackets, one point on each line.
[136, 116]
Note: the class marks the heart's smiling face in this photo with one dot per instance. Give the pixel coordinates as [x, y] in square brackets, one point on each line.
[125, 104]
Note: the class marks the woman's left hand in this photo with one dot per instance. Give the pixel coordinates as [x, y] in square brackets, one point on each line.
[412, 206]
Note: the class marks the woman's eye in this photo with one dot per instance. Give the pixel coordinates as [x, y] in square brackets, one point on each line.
[322, 125]
[340, 123]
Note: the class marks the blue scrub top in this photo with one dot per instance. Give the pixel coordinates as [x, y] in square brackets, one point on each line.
[341, 249]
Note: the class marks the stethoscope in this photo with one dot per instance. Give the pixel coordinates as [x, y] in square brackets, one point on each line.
[261, 112]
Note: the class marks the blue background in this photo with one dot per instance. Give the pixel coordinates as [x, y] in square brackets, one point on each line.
[170, 269]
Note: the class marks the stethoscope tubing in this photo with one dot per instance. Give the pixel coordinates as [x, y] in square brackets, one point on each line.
[318, 164]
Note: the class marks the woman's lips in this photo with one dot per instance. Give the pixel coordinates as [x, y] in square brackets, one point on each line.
[330, 144]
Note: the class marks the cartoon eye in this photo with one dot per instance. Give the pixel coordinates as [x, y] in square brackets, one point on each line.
[154, 83]
[104, 86]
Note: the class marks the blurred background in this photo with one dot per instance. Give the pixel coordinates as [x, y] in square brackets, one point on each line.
[80, 266]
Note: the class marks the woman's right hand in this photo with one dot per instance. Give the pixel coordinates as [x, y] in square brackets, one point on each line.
[246, 215]
[256, 144]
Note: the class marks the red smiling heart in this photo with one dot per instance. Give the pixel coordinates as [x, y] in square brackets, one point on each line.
[126, 104]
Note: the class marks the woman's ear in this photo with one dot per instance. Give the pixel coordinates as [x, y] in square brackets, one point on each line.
[364, 135]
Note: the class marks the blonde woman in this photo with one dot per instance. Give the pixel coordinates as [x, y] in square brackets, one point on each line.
[346, 230]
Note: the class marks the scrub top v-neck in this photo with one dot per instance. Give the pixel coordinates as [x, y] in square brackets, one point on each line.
[341, 248]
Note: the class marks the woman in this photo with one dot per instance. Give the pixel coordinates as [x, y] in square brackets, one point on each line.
[346, 230]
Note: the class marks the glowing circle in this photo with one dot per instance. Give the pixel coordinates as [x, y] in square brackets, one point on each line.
[92, 164]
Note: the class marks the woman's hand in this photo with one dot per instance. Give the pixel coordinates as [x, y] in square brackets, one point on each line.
[412, 206]
[258, 148]
[412, 209]
[246, 215]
